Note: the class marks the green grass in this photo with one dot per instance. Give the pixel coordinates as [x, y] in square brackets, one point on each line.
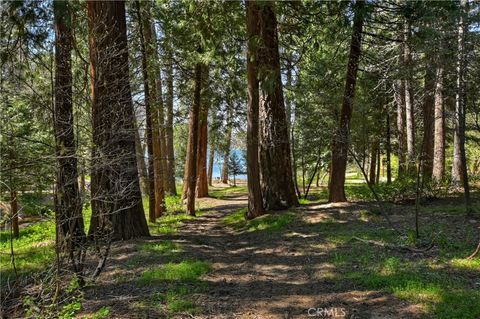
[268, 222]
[169, 224]
[33, 250]
[164, 247]
[227, 191]
[185, 271]
[443, 286]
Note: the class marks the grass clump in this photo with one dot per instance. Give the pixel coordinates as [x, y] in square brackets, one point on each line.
[164, 247]
[169, 224]
[185, 271]
[267, 222]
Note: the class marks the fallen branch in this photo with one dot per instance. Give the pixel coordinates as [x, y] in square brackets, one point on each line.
[475, 253]
[395, 247]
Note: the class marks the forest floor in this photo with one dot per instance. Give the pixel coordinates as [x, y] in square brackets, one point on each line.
[305, 262]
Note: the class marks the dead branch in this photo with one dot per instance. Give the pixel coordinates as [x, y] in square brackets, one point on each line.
[394, 247]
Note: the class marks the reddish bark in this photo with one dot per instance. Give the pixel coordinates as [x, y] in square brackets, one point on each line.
[341, 141]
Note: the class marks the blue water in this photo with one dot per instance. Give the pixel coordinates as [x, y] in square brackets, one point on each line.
[218, 163]
[217, 172]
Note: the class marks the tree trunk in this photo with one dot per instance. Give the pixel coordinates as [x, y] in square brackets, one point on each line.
[275, 162]
[211, 157]
[379, 164]
[373, 163]
[439, 135]
[156, 76]
[255, 202]
[63, 225]
[202, 182]
[68, 204]
[191, 161]
[228, 142]
[294, 162]
[388, 149]
[428, 123]
[171, 185]
[460, 169]
[153, 164]
[142, 168]
[409, 101]
[340, 142]
[117, 208]
[153, 77]
[401, 126]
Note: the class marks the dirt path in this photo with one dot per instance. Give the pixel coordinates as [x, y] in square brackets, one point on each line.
[284, 274]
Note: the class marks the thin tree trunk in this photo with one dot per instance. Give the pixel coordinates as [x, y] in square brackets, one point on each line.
[439, 135]
[14, 216]
[202, 182]
[388, 149]
[409, 101]
[255, 202]
[373, 162]
[152, 133]
[460, 109]
[153, 77]
[278, 189]
[294, 163]
[379, 164]
[211, 157]
[341, 141]
[117, 208]
[401, 119]
[428, 124]
[228, 141]
[191, 164]
[68, 204]
[171, 185]
[142, 168]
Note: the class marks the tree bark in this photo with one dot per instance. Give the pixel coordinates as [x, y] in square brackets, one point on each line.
[373, 163]
[117, 208]
[191, 161]
[153, 77]
[202, 182]
[341, 141]
[388, 148]
[255, 202]
[211, 157]
[142, 168]
[439, 130]
[228, 142]
[409, 101]
[153, 163]
[171, 185]
[401, 125]
[68, 204]
[428, 123]
[460, 159]
[16, 229]
[379, 164]
[275, 159]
